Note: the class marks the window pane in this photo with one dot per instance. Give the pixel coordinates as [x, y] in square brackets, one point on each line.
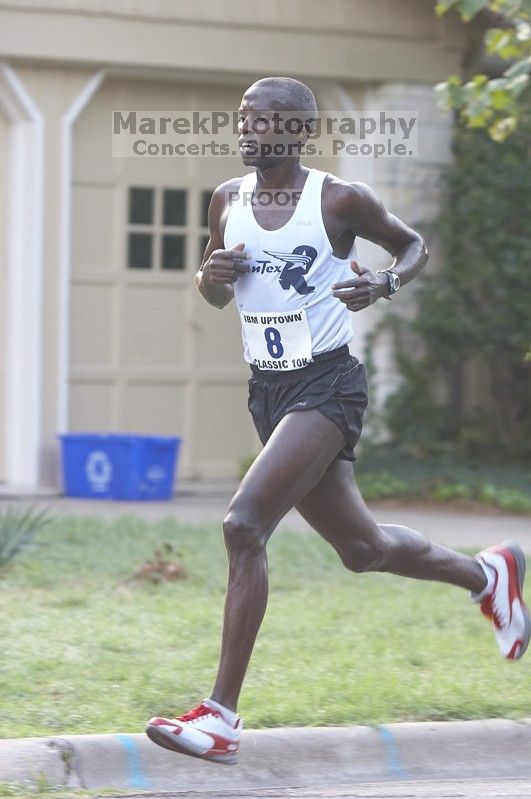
[141, 206]
[140, 248]
[174, 207]
[205, 202]
[173, 252]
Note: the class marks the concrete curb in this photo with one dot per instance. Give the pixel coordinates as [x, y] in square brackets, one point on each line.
[494, 749]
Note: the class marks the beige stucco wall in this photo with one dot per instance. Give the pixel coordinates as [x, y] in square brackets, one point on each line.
[339, 39]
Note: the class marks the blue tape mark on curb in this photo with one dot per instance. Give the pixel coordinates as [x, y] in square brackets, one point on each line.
[135, 771]
[394, 761]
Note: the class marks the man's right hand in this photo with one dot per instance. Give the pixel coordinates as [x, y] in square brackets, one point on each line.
[226, 266]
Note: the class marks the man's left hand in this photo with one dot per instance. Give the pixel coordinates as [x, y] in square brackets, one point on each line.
[362, 291]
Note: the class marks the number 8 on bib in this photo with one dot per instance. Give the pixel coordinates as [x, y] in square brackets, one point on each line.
[277, 341]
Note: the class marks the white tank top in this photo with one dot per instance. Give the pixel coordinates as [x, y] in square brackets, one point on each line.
[286, 306]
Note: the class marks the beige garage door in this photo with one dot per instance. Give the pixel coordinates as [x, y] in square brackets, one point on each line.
[147, 354]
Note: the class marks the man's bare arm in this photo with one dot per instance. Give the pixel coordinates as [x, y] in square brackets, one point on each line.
[370, 220]
[360, 211]
[220, 268]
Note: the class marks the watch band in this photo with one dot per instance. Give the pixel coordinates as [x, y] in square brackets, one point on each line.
[393, 281]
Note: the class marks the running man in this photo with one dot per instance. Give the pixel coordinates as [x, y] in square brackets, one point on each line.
[293, 273]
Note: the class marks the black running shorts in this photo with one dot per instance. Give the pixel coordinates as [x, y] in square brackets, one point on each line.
[335, 383]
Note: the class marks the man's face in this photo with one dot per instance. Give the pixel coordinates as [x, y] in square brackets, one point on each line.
[268, 131]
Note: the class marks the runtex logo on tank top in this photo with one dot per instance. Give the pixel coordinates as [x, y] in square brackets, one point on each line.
[297, 264]
[287, 310]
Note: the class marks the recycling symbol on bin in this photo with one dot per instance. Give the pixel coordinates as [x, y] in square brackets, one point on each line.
[98, 470]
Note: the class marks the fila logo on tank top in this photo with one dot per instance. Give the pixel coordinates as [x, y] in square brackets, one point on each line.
[286, 307]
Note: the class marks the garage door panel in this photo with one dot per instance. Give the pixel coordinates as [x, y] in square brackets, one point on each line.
[91, 406]
[154, 326]
[92, 309]
[93, 227]
[218, 336]
[223, 427]
[154, 408]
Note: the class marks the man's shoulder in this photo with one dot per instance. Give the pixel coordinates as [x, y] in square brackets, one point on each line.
[337, 187]
[340, 195]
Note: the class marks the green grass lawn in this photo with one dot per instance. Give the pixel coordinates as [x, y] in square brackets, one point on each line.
[84, 650]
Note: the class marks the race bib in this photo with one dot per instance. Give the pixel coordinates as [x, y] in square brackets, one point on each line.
[277, 340]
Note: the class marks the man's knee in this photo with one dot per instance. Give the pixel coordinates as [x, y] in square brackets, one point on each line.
[241, 534]
[362, 556]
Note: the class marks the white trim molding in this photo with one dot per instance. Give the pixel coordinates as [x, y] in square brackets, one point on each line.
[69, 118]
[23, 423]
[24, 204]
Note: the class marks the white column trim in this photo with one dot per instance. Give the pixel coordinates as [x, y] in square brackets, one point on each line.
[24, 280]
[67, 123]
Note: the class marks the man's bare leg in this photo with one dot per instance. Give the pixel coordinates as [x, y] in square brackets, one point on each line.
[336, 509]
[298, 467]
[290, 465]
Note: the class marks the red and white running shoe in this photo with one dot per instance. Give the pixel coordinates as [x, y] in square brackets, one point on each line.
[502, 601]
[202, 732]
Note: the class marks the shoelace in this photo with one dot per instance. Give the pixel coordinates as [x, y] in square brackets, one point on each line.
[197, 713]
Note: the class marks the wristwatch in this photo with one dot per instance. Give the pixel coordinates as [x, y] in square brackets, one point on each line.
[393, 280]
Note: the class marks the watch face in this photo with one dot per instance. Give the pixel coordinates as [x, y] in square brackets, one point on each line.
[394, 282]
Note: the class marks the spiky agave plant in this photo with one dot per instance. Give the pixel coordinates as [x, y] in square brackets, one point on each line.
[18, 529]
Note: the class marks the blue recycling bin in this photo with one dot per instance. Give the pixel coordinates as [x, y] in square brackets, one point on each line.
[116, 466]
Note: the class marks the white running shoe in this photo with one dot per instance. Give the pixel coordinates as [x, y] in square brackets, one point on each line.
[502, 603]
[202, 732]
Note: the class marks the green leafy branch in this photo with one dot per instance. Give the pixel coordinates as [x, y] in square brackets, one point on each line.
[493, 104]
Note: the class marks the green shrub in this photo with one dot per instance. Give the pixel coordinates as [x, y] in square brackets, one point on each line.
[508, 499]
[488, 494]
[451, 492]
[382, 485]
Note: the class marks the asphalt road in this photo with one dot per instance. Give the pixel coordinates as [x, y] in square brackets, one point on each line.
[451, 789]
